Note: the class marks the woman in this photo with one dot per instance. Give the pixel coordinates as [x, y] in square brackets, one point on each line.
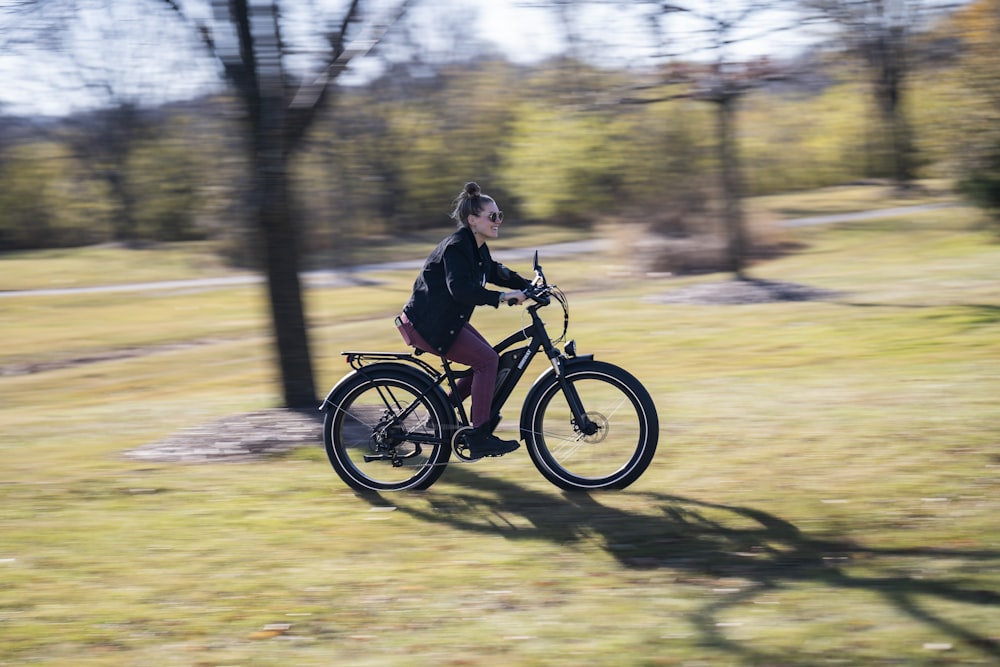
[450, 285]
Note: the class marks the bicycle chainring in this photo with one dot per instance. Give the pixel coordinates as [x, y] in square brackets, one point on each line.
[458, 445]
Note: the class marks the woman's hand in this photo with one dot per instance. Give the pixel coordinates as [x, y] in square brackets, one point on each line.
[516, 297]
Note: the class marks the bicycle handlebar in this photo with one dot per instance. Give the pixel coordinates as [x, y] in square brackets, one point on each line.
[537, 293]
[539, 290]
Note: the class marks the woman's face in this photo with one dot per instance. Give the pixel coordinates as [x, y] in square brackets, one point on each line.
[486, 225]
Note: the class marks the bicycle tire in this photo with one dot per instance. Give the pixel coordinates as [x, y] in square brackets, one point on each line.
[615, 456]
[364, 405]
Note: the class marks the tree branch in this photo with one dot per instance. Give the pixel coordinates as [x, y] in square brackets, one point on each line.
[311, 95]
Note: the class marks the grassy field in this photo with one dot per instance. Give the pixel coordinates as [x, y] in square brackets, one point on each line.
[826, 490]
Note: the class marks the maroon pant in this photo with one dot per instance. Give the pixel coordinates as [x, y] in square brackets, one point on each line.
[471, 349]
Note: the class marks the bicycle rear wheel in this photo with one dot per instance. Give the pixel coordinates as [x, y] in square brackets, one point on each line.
[620, 449]
[370, 428]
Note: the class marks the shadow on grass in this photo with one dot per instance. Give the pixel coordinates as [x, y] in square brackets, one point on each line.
[703, 540]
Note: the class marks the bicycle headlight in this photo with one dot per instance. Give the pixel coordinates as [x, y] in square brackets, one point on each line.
[571, 349]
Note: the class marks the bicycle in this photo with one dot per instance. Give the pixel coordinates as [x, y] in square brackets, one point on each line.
[587, 424]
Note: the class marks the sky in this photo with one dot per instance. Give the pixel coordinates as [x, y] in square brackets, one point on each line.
[625, 36]
[117, 43]
[120, 49]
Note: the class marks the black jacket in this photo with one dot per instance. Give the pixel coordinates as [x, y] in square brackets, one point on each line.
[451, 285]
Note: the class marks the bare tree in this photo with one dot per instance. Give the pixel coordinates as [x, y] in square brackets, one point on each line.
[880, 33]
[280, 107]
[104, 141]
[101, 77]
[721, 81]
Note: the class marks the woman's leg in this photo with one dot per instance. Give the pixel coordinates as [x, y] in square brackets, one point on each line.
[471, 349]
[412, 338]
[464, 384]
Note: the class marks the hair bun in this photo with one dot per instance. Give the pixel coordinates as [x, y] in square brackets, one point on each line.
[472, 189]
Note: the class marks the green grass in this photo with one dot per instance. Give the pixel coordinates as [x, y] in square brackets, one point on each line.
[826, 490]
[850, 198]
[108, 265]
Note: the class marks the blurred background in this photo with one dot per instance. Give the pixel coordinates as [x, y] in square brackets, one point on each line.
[119, 122]
[290, 135]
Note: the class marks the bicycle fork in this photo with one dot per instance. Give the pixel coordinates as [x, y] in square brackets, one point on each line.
[581, 420]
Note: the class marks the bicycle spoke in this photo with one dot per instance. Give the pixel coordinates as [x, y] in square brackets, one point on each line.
[616, 408]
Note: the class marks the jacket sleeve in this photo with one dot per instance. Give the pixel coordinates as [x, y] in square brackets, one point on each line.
[501, 275]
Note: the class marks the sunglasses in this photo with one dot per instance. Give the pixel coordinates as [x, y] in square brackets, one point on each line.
[496, 215]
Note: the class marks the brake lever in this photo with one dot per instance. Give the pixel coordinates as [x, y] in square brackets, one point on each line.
[539, 294]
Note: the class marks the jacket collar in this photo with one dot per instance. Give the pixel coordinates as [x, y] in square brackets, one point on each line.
[469, 236]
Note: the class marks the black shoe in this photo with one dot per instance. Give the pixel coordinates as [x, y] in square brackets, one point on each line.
[483, 443]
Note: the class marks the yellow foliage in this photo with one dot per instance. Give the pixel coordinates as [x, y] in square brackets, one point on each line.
[978, 25]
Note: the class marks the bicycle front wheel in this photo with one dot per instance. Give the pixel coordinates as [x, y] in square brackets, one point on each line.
[388, 431]
[619, 446]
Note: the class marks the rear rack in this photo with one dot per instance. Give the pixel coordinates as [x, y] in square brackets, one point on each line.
[358, 360]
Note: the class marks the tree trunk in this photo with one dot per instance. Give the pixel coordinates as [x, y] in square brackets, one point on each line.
[887, 59]
[732, 192]
[281, 238]
[123, 223]
[896, 126]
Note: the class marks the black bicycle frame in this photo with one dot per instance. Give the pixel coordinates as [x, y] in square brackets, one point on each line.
[538, 340]
[541, 340]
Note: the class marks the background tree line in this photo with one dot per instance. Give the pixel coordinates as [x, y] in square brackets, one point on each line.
[551, 140]
[290, 171]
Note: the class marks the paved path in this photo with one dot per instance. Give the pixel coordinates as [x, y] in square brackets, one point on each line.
[327, 278]
[351, 275]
